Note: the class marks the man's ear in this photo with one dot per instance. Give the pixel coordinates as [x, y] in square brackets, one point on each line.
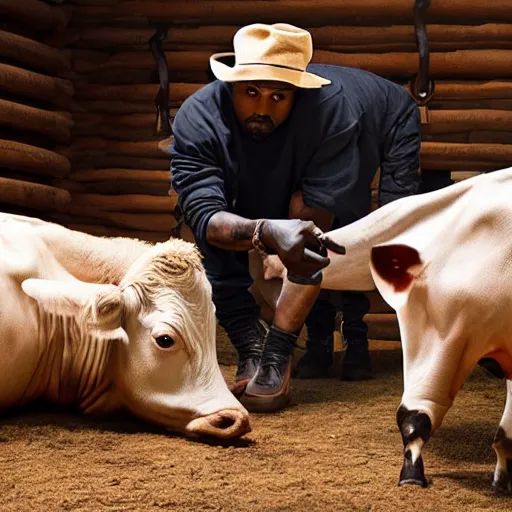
[99, 305]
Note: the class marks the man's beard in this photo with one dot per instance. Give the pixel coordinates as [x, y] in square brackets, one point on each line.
[259, 127]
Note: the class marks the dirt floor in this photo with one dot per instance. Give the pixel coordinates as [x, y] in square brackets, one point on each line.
[336, 448]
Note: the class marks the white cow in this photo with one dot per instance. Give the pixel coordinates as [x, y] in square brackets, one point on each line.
[443, 261]
[109, 324]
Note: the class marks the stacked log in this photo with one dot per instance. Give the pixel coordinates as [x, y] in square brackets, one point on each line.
[34, 109]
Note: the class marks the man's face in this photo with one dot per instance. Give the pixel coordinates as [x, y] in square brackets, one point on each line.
[262, 106]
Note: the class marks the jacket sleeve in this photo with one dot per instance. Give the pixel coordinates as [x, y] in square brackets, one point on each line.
[195, 172]
[401, 159]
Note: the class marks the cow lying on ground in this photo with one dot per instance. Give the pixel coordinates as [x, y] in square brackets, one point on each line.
[109, 324]
[443, 261]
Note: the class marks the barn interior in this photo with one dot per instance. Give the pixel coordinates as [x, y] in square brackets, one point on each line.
[79, 80]
[79, 146]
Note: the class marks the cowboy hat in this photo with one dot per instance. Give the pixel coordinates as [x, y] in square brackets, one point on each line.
[278, 52]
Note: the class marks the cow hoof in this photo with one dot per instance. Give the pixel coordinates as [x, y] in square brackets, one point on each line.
[412, 481]
[412, 472]
[502, 483]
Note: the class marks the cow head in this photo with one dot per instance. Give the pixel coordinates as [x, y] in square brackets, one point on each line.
[162, 319]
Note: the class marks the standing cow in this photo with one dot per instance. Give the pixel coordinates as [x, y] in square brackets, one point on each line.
[110, 324]
[443, 261]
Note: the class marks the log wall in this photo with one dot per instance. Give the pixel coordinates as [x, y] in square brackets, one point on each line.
[78, 83]
[35, 118]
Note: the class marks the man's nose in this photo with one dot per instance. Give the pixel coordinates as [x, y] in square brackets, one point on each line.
[264, 106]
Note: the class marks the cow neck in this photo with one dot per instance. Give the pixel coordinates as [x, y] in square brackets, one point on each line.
[74, 367]
[94, 259]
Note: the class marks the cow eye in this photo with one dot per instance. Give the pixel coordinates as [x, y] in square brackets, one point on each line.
[164, 341]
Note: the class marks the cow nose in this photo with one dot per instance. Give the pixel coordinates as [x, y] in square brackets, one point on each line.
[224, 424]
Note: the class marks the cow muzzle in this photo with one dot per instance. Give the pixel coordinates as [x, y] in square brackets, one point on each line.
[224, 424]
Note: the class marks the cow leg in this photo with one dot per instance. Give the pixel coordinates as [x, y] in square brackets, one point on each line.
[435, 367]
[502, 445]
[415, 428]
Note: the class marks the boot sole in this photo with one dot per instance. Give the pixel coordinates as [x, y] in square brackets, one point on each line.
[238, 388]
[266, 403]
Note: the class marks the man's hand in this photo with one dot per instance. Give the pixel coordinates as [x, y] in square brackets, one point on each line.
[299, 244]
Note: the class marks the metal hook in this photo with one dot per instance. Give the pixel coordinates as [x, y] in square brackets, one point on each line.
[421, 97]
[163, 117]
[422, 88]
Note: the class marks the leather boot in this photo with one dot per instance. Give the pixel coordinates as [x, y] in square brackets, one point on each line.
[357, 363]
[269, 389]
[317, 360]
[248, 343]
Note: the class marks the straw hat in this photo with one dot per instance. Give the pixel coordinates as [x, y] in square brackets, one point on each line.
[279, 52]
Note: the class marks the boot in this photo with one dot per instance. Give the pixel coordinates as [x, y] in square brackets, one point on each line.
[248, 343]
[357, 363]
[269, 389]
[317, 360]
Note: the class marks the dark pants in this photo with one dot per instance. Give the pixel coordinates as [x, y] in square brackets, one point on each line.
[228, 273]
[320, 321]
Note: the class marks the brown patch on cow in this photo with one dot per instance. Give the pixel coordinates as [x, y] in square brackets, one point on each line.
[392, 263]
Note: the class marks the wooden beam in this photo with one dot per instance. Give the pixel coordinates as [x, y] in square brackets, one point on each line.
[125, 203]
[22, 82]
[451, 121]
[33, 53]
[138, 92]
[118, 187]
[35, 13]
[83, 161]
[455, 164]
[22, 157]
[33, 195]
[56, 125]
[471, 64]
[489, 89]
[499, 153]
[103, 37]
[382, 326]
[120, 174]
[95, 146]
[317, 12]
[156, 222]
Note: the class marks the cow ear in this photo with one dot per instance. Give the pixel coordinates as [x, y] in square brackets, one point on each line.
[98, 305]
[394, 268]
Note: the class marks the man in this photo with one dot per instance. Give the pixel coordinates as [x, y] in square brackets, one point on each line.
[270, 138]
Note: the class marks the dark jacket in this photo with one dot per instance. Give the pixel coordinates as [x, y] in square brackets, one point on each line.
[330, 147]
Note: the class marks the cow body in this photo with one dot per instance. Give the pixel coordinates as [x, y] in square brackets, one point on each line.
[443, 261]
[110, 324]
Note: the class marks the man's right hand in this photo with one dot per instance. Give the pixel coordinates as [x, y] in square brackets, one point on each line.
[299, 244]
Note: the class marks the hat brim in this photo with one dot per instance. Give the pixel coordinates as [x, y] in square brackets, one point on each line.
[252, 72]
